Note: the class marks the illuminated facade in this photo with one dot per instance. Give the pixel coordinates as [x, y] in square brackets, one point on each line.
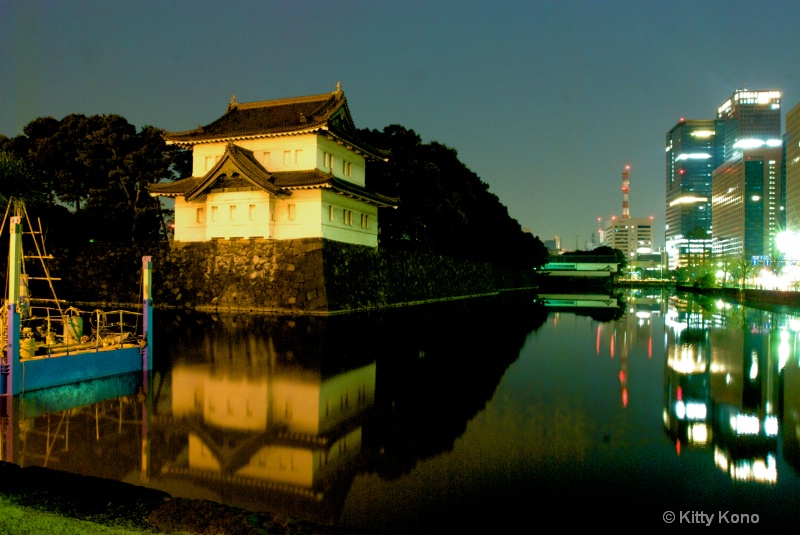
[746, 207]
[631, 235]
[691, 154]
[282, 169]
[747, 192]
[792, 144]
[747, 120]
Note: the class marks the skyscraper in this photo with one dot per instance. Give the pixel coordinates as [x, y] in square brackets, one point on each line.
[745, 193]
[792, 145]
[691, 160]
[749, 119]
[746, 205]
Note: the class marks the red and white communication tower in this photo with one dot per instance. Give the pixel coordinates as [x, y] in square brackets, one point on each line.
[625, 188]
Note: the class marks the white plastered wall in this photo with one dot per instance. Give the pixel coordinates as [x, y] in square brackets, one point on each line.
[314, 213]
[232, 214]
[288, 153]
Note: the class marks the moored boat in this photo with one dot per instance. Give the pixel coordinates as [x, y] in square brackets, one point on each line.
[45, 344]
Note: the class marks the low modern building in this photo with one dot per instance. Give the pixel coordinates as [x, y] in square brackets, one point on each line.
[583, 266]
[279, 169]
[631, 235]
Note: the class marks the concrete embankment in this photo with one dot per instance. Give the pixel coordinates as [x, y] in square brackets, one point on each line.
[778, 300]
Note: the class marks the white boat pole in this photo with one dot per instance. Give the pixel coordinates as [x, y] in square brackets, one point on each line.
[147, 313]
[12, 385]
[15, 260]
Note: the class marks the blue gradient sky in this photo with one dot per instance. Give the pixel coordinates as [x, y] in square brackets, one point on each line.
[546, 101]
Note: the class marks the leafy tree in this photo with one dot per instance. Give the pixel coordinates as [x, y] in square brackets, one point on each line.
[17, 186]
[604, 250]
[100, 166]
[742, 270]
[445, 208]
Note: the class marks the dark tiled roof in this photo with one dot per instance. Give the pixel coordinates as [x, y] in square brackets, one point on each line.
[289, 179]
[353, 190]
[175, 189]
[236, 160]
[246, 166]
[325, 112]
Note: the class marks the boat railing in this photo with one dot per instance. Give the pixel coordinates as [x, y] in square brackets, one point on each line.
[49, 331]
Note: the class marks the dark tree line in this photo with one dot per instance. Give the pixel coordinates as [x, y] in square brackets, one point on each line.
[86, 177]
[445, 208]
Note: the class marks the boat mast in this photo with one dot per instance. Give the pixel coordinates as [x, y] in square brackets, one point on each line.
[14, 260]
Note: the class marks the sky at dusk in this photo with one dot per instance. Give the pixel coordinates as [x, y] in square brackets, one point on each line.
[546, 101]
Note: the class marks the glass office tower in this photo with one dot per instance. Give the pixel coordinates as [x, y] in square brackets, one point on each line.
[691, 159]
[792, 146]
[747, 201]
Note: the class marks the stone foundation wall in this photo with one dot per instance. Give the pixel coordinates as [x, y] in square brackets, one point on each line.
[307, 276]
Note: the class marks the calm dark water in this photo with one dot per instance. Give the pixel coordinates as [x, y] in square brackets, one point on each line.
[456, 415]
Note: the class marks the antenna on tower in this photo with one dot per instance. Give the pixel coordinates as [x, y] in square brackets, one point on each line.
[625, 188]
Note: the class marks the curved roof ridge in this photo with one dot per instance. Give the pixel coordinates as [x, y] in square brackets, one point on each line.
[283, 101]
[243, 159]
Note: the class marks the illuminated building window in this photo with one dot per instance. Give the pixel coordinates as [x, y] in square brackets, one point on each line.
[348, 217]
[331, 213]
[201, 215]
[213, 213]
[364, 220]
[291, 212]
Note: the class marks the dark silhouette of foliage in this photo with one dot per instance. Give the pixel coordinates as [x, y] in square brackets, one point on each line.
[603, 250]
[445, 208]
[100, 166]
[16, 182]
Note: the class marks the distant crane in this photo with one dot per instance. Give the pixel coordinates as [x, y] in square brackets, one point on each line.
[625, 189]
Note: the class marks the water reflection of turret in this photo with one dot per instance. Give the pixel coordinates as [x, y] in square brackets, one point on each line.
[723, 385]
[267, 414]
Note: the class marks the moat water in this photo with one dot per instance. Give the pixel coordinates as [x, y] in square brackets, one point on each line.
[656, 408]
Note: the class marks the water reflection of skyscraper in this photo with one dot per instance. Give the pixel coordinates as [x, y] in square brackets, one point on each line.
[722, 384]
